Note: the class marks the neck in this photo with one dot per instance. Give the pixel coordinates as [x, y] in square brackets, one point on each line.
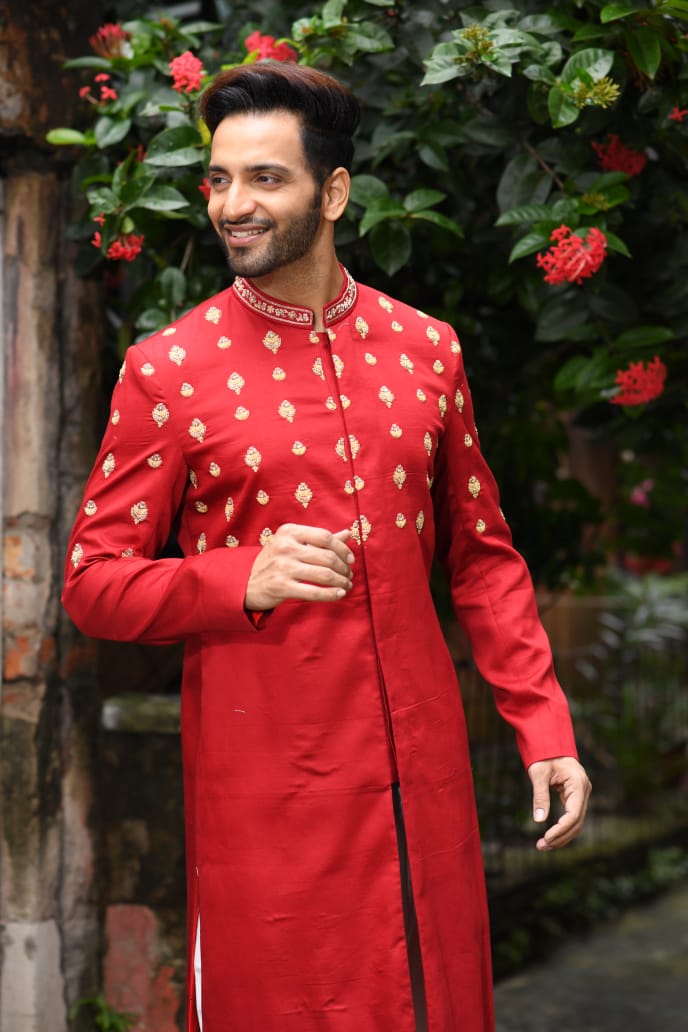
[312, 282]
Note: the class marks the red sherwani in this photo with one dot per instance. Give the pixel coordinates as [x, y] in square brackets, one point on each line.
[231, 422]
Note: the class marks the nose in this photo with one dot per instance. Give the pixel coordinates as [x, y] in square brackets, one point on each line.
[238, 202]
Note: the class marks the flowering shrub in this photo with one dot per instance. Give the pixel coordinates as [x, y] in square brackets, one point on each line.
[639, 383]
[521, 172]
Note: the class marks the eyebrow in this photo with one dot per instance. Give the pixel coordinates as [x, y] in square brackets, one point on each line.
[266, 167]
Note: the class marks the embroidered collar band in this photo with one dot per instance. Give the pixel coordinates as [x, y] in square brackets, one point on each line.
[293, 315]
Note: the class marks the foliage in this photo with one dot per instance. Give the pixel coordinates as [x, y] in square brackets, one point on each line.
[487, 128]
[105, 1019]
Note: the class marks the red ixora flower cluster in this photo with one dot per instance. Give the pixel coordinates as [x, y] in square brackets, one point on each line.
[572, 259]
[266, 47]
[677, 114]
[106, 92]
[109, 40]
[615, 156]
[125, 248]
[187, 72]
[639, 383]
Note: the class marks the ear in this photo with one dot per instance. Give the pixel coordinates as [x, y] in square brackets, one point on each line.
[335, 194]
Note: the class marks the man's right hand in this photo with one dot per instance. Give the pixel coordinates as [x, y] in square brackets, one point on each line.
[306, 563]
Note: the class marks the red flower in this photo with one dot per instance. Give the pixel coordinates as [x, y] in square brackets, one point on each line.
[266, 47]
[639, 384]
[97, 239]
[109, 40]
[85, 92]
[125, 248]
[678, 114]
[571, 259]
[204, 187]
[615, 156]
[107, 94]
[187, 72]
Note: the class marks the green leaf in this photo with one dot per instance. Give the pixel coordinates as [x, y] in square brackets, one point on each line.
[161, 198]
[366, 188]
[571, 373]
[111, 130]
[644, 337]
[418, 200]
[380, 211]
[103, 200]
[173, 283]
[181, 145]
[390, 244]
[368, 37]
[645, 49]
[559, 318]
[102, 63]
[562, 109]
[434, 156]
[440, 220]
[488, 130]
[615, 243]
[332, 13]
[592, 61]
[525, 213]
[528, 244]
[612, 12]
[65, 137]
[152, 319]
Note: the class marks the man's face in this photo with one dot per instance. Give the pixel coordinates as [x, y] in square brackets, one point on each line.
[264, 203]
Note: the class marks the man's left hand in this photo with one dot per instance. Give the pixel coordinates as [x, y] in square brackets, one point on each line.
[568, 778]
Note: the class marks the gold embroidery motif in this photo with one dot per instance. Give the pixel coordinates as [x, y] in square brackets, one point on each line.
[468, 440]
[421, 395]
[186, 390]
[395, 430]
[193, 479]
[442, 402]
[400, 520]
[406, 363]
[432, 334]
[361, 326]
[458, 400]
[122, 370]
[229, 509]
[386, 396]
[176, 354]
[366, 527]
[236, 382]
[313, 337]
[338, 366]
[344, 401]
[139, 512]
[90, 508]
[385, 303]
[331, 404]
[303, 494]
[265, 536]
[318, 368]
[331, 335]
[437, 367]
[430, 481]
[278, 374]
[154, 461]
[397, 327]
[480, 526]
[420, 521]
[399, 476]
[147, 369]
[213, 314]
[359, 484]
[455, 347]
[298, 448]
[201, 507]
[262, 498]
[201, 544]
[77, 555]
[128, 553]
[427, 441]
[169, 332]
[287, 411]
[272, 341]
[231, 541]
[241, 413]
[340, 448]
[115, 417]
[253, 459]
[197, 430]
[349, 487]
[370, 359]
[214, 469]
[223, 343]
[354, 445]
[356, 532]
[108, 466]
[474, 486]
[160, 414]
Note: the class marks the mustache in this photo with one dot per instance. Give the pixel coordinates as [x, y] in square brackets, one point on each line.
[247, 220]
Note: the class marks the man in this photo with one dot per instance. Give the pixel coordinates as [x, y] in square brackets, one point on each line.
[312, 443]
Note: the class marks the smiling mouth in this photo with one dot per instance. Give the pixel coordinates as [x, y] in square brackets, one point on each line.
[244, 234]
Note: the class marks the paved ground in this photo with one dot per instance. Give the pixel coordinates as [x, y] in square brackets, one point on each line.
[631, 976]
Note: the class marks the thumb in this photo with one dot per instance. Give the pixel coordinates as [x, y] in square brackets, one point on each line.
[539, 776]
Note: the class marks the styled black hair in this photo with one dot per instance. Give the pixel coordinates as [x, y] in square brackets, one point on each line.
[327, 109]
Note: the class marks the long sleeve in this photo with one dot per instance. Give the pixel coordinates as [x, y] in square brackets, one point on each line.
[492, 591]
[115, 587]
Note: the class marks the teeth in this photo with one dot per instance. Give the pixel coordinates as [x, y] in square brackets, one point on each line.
[245, 235]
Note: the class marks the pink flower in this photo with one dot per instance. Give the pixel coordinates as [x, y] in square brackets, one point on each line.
[107, 94]
[639, 383]
[187, 72]
[640, 494]
[267, 48]
[109, 40]
[204, 187]
[615, 156]
[85, 92]
[572, 259]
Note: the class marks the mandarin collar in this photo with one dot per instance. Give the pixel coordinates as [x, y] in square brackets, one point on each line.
[293, 315]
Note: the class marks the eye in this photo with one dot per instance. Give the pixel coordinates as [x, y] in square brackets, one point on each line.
[216, 180]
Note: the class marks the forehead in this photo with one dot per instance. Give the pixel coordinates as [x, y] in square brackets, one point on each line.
[258, 137]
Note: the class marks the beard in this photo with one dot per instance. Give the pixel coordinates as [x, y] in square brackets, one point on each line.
[285, 246]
